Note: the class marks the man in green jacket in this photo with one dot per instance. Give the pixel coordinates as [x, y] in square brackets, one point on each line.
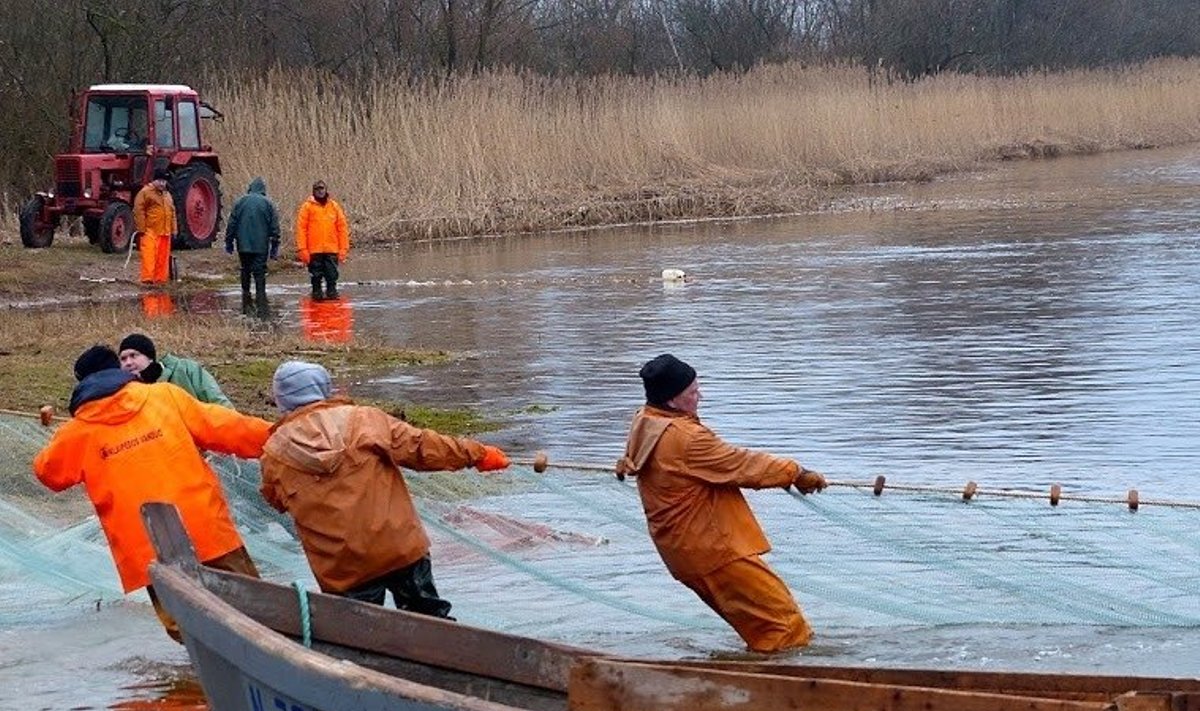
[139, 357]
[254, 224]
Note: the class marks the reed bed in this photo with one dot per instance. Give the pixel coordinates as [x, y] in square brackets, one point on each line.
[508, 152]
[505, 151]
[9, 211]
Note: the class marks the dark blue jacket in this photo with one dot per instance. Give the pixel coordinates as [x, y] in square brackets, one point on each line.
[98, 385]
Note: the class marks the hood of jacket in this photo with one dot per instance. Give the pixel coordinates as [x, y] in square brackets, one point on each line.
[258, 185]
[311, 438]
[100, 385]
[647, 428]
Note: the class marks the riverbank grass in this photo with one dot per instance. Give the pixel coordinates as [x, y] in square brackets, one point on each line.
[41, 347]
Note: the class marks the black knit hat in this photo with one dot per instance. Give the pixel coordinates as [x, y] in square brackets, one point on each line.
[95, 359]
[140, 343]
[665, 377]
[162, 174]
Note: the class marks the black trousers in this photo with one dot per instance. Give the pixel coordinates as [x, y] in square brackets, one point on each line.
[412, 590]
[254, 266]
[323, 266]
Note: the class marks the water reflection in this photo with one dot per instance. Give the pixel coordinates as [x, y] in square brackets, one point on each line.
[327, 320]
[162, 304]
[175, 694]
[156, 304]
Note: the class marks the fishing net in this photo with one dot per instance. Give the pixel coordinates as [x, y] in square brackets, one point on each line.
[566, 555]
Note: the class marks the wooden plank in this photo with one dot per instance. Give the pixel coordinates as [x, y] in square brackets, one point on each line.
[168, 536]
[492, 689]
[1159, 701]
[1065, 686]
[1136, 701]
[608, 685]
[430, 640]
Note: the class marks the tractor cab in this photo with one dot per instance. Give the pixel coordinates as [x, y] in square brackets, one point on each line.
[116, 124]
[124, 132]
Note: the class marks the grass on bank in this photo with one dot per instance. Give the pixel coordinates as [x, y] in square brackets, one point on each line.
[41, 346]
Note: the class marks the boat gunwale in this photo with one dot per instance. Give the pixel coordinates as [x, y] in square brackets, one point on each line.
[304, 675]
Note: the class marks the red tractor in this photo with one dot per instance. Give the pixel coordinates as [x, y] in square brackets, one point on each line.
[124, 133]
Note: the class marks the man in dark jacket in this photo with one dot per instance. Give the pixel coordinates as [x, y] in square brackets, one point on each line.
[254, 223]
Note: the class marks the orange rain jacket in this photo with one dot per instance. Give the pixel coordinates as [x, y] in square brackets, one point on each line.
[335, 467]
[129, 443]
[690, 482]
[154, 211]
[321, 229]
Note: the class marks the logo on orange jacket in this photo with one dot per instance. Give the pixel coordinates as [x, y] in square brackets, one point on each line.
[107, 451]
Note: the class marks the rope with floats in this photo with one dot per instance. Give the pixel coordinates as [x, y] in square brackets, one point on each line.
[45, 414]
[541, 462]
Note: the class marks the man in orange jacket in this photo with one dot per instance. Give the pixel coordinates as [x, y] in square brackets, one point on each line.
[130, 443]
[335, 467]
[154, 218]
[322, 239]
[690, 483]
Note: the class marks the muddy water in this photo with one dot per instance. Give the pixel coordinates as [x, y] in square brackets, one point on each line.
[1030, 325]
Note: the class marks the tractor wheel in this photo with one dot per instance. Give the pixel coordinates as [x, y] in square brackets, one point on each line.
[197, 193]
[91, 228]
[35, 233]
[116, 227]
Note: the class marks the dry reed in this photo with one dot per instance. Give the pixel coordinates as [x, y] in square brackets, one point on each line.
[510, 152]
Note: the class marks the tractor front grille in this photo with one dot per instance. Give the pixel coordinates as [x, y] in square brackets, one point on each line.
[67, 177]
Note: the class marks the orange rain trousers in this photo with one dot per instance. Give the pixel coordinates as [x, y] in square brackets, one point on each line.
[237, 560]
[156, 257]
[154, 218]
[756, 603]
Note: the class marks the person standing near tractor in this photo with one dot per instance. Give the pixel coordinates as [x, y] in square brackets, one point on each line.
[322, 239]
[254, 224]
[154, 219]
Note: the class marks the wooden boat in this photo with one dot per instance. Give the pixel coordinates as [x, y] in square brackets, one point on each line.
[244, 638]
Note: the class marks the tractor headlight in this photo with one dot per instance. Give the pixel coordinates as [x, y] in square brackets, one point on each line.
[87, 193]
